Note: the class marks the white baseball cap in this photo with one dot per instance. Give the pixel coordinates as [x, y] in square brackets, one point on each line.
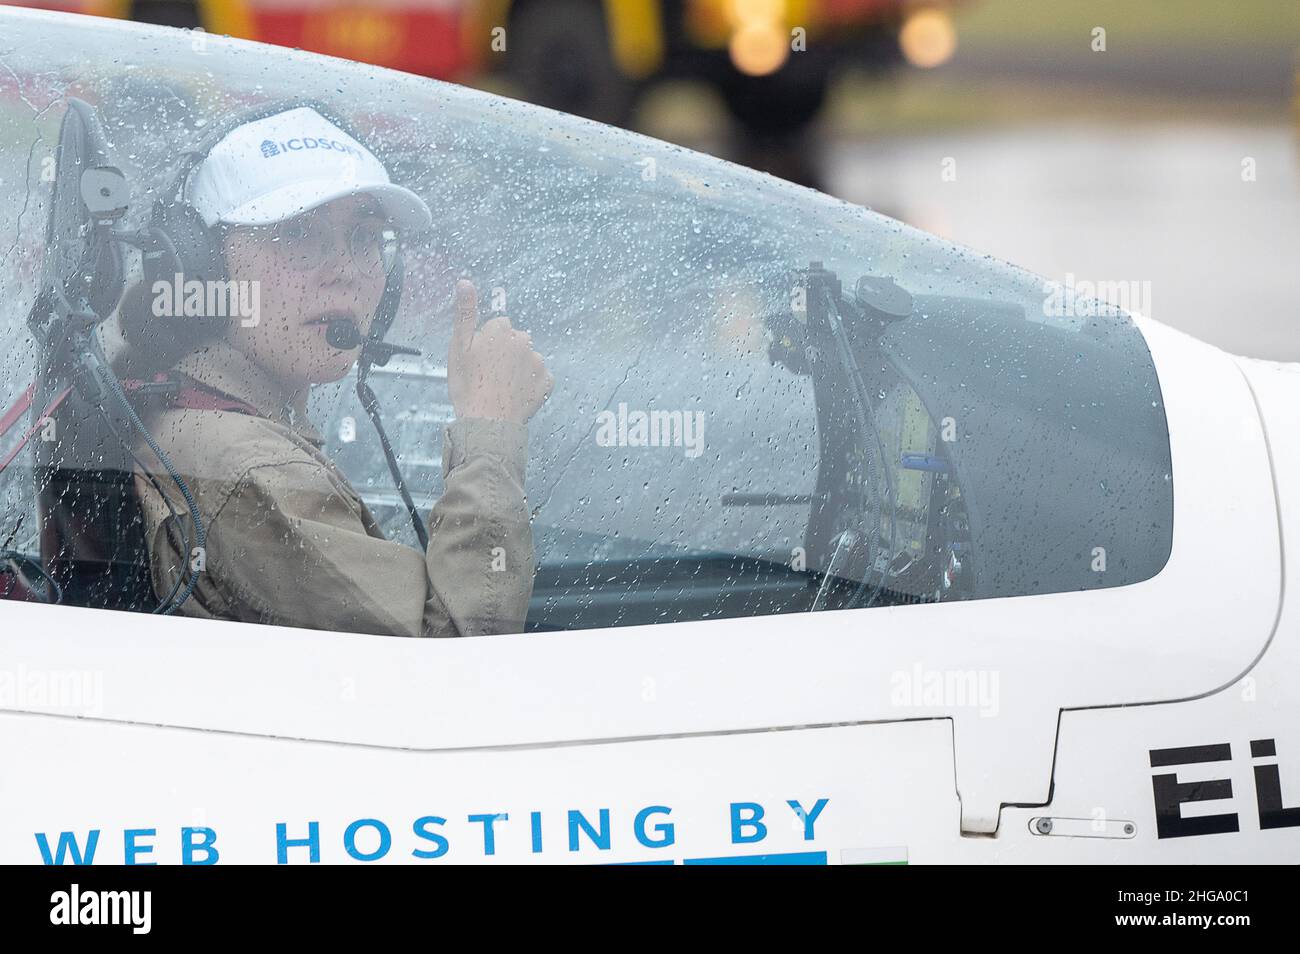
[275, 168]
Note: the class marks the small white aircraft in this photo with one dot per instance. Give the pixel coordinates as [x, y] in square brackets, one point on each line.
[852, 546]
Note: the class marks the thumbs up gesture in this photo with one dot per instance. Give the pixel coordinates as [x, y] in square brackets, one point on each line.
[493, 372]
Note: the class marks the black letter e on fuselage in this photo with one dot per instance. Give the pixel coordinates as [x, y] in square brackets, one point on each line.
[1171, 794]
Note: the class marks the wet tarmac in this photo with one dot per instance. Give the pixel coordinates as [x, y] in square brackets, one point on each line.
[1202, 221]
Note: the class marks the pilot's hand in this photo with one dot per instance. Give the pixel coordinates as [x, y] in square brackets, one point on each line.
[493, 371]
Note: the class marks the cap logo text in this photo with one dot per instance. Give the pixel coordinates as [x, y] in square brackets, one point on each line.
[272, 148]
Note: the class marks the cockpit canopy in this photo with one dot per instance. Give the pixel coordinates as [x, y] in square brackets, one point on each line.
[766, 400]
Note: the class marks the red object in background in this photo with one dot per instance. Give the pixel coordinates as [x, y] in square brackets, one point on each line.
[856, 11]
[424, 39]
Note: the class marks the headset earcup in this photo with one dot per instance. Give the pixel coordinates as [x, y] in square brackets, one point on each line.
[187, 252]
[153, 317]
[197, 255]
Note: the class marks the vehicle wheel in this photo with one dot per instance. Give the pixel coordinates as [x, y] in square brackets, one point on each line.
[559, 52]
[172, 13]
[781, 104]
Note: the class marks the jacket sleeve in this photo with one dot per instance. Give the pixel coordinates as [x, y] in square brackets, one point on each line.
[290, 545]
[481, 560]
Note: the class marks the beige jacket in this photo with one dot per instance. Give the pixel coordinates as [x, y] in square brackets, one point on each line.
[289, 541]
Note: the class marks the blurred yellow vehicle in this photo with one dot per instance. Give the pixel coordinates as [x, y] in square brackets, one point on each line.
[771, 60]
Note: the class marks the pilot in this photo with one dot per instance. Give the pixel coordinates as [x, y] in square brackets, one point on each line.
[303, 214]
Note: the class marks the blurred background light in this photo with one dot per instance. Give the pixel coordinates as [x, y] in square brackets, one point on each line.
[928, 38]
